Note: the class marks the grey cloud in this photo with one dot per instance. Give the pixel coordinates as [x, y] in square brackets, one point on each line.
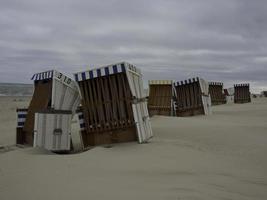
[219, 40]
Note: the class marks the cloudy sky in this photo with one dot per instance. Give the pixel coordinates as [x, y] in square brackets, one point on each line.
[220, 40]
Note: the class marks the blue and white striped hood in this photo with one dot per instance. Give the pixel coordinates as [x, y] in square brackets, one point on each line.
[43, 75]
[204, 85]
[106, 70]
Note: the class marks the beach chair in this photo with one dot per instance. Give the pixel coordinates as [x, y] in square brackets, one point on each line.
[162, 98]
[242, 93]
[216, 93]
[114, 107]
[193, 97]
[52, 91]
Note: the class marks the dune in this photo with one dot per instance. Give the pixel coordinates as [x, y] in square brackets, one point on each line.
[222, 156]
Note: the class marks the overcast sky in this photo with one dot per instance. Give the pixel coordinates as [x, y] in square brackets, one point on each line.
[220, 40]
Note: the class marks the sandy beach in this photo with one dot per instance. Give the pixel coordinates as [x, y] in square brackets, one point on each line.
[222, 156]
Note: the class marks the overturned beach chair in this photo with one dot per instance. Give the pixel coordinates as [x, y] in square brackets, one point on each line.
[47, 126]
[114, 107]
[216, 93]
[162, 97]
[52, 91]
[52, 129]
[242, 93]
[193, 97]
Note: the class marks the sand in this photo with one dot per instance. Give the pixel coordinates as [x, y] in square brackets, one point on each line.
[222, 156]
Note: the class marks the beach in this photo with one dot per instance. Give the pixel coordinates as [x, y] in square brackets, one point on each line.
[221, 156]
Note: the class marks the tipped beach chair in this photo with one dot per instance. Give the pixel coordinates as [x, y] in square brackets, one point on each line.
[193, 97]
[53, 93]
[52, 130]
[216, 93]
[162, 97]
[114, 106]
[242, 93]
